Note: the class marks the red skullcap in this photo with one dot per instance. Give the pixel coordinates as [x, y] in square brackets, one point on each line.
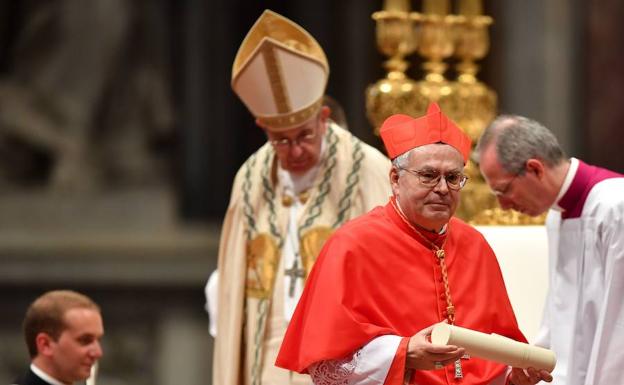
[401, 133]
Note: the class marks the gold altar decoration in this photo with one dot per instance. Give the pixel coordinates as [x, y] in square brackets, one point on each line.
[438, 35]
[435, 44]
[473, 107]
[396, 39]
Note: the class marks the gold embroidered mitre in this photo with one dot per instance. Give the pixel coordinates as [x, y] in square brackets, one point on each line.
[280, 72]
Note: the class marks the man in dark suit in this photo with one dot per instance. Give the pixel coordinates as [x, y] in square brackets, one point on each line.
[63, 330]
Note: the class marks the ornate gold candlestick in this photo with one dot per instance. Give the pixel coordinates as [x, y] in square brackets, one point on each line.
[476, 103]
[395, 39]
[435, 44]
[473, 106]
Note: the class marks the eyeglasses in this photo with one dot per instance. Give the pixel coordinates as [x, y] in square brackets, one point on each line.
[307, 136]
[431, 178]
[505, 190]
[284, 143]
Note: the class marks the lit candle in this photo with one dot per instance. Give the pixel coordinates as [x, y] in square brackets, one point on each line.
[397, 5]
[470, 7]
[436, 7]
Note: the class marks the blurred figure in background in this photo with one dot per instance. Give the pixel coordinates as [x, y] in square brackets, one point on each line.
[63, 330]
[583, 322]
[308, 179]
[86, 95]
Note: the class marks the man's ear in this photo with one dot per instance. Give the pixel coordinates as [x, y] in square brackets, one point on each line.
[535, 167]
[325, 112]
[260, 124]
[394, 179]
[263, 127]
[44, 344]
[394, 174]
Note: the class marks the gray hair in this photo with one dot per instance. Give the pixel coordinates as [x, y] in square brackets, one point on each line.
[401, 161]
[518, 139]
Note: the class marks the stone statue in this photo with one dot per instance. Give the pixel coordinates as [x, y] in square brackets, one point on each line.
[86, 95]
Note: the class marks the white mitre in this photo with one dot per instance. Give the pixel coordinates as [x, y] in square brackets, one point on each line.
[280, 72]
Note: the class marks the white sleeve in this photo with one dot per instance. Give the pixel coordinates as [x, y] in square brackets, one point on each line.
[367, 366]
[211, 292]
[553, 225]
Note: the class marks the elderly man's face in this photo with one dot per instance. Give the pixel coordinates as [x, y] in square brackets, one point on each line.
[78, 346]
[299, 149]
[428, 207]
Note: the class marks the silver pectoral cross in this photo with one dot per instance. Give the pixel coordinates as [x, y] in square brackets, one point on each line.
[294, 273]
[459, 374]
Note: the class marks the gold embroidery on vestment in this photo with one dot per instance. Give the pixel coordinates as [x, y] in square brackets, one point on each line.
[262, 259]
[311, 244]
[288, 200]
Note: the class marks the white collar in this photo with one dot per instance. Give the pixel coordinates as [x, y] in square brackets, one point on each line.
[567, 182]
[44, 376]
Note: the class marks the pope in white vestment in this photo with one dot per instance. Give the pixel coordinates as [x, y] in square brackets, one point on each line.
[287, 198]
[584, 312]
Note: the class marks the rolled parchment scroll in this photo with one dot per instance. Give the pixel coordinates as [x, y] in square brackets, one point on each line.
[494, 347]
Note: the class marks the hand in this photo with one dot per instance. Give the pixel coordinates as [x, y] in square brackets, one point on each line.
[529, 377]
[423, 355]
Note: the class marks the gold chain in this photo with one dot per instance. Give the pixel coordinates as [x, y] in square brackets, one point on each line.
[440, 255]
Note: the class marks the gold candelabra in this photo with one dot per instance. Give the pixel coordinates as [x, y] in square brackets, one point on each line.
[436, 43]
[438, 35]
[395, 39]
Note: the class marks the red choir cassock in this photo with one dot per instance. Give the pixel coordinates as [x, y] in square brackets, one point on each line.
[376, 276]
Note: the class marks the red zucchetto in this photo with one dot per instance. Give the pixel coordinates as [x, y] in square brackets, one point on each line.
[401, 133]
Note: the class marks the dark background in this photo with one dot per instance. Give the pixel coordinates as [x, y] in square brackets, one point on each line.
[214, 133]
[219, 133]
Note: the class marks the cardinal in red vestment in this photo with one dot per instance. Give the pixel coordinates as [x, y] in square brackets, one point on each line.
[384, 279]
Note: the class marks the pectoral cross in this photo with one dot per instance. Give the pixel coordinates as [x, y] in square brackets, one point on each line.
[294, 272]
[459, 374]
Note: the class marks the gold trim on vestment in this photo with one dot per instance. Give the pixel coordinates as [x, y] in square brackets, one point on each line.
[276, 80]
[262, 258]
[311, 244]
[288, 200]
[287, 121]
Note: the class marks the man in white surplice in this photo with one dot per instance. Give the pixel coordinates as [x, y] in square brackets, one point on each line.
[308, 179]
[584, 314]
